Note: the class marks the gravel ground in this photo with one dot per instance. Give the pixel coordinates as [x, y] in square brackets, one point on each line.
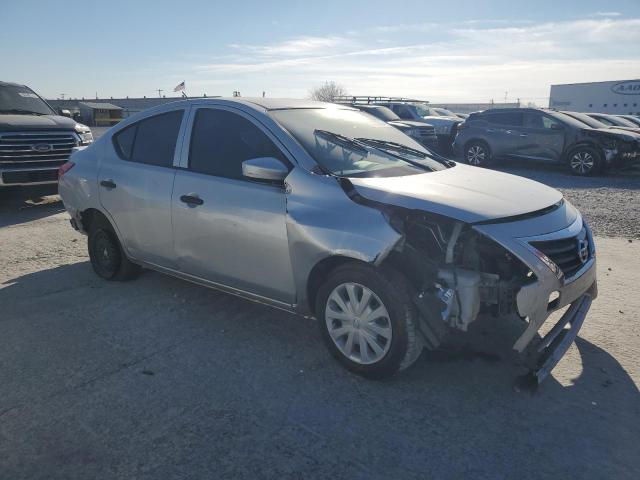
[611, 203]
[158, 378]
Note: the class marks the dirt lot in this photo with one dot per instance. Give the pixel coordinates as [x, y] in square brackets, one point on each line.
[159, 378]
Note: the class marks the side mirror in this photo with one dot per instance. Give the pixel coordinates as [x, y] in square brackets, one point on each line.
[65, 113]
[265, 168]
[556, 126]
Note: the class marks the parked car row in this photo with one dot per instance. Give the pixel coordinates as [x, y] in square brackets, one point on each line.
[442, 121]
[588, 143]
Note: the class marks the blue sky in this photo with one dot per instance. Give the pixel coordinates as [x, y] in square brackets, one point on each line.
[443, 51]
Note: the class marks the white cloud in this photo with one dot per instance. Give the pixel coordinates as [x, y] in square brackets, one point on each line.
[605, 14]
[470, 61]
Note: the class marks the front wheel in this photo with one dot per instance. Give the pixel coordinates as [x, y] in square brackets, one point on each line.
[585, 161]
[368, 321]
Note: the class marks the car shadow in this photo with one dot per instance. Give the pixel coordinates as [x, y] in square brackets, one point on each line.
[25, 204]
[425, 421]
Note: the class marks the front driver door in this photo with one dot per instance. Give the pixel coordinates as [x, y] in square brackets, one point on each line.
[543, 137]
[228, 229]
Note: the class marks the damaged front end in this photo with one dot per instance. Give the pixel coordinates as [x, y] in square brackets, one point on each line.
[461, 270]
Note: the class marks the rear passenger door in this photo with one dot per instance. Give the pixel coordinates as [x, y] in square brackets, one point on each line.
[503, 132]
[229, 229]
[136, 181]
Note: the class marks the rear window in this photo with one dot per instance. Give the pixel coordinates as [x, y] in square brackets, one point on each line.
[151, 141]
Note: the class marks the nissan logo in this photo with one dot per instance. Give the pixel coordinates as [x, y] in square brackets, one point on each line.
[631, 87]
[583, 250]
[42, 147]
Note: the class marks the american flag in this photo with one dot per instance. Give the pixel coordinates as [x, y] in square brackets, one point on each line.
[179, 87]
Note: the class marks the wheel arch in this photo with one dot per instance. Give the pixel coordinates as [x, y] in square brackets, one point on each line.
[321, 270]
[91, 215]
[578, 144]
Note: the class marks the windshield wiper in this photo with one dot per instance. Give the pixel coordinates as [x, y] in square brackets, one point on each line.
[399, 147]
[393, 146]
[21, 111]
[341, 140]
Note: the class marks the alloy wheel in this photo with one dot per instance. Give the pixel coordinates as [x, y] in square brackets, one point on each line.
[582, 162]
[476, 155]
[358, 323]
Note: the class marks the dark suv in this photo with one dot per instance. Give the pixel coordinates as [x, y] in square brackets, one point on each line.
[544, 135]
[34, 140]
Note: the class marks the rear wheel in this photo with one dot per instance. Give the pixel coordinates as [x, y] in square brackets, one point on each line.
[107, 257]
[368, 321]
[477, 154]
[585, 161]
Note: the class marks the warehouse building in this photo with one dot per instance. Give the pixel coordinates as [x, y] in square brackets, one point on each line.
[100, 114]
[617, 97]
[127, 106]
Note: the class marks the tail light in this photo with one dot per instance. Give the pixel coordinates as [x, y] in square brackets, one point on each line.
[64, 168]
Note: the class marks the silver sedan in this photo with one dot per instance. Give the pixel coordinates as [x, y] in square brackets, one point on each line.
[329, 212]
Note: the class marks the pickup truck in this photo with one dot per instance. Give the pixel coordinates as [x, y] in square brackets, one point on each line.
[35, 140]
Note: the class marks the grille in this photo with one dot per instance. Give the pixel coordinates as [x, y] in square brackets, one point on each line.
[566, 252]
[29, 176]
[19, 150]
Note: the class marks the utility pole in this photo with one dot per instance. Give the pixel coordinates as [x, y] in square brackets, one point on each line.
[505, 96]
[160, 92]
[62, 95]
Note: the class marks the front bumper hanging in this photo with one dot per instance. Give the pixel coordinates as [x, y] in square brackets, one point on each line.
[557, 341]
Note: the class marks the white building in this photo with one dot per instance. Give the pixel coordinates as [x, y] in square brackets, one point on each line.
[618, 96]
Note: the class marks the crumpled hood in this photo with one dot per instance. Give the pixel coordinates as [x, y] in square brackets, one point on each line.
[462, 192]
[35, 122]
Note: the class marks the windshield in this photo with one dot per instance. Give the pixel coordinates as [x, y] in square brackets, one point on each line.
[586, 119]
[22, 100]
[617, 121]
[351, 143]
[383, 113]
[632, 119]
[422, 110]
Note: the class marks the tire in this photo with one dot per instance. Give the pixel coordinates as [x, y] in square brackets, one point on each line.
[396, 334]
[477, 153]
[106, 255]
[584, 161]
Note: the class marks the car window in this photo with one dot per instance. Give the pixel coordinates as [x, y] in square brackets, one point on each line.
[513, 119]
[222, 140]
[538, 120]
[151, 141]
[124, 141]
[403, 111]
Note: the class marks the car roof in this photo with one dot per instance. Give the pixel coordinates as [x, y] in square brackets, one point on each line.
[283, 103]
[11, 84]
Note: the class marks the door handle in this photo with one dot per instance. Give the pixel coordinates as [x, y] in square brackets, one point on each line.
[191, 200]
[108, 183]
[524, 135]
